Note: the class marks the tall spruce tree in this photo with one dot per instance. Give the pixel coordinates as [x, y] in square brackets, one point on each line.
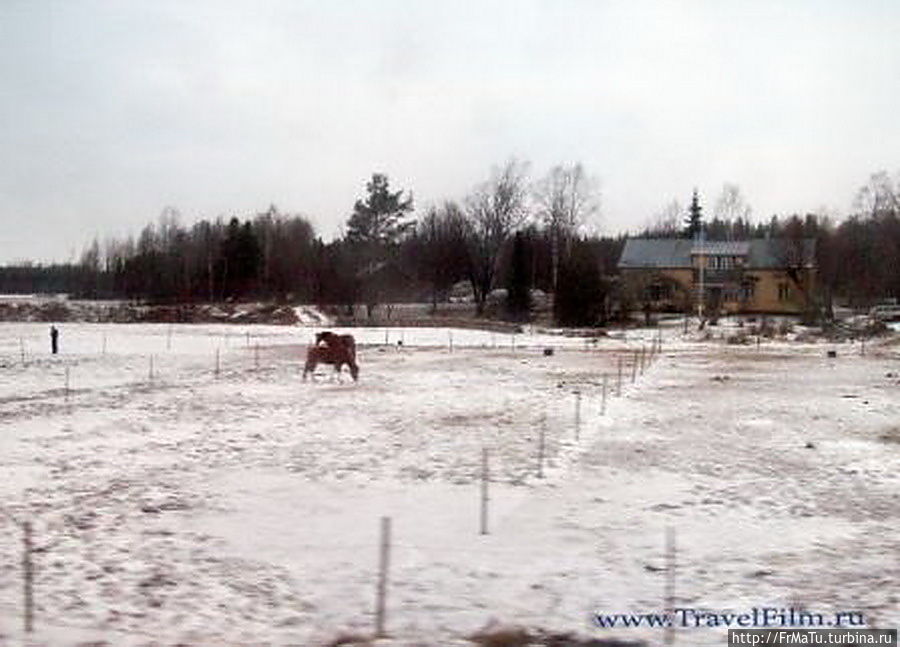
[694, 221]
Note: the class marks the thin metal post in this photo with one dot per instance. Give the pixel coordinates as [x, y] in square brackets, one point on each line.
[256, 355]
[619, 379]
[634, 367]
[217, 362]
[603, 405]
[485, 477]
[383, 565]
[169, 338]
[150, 372]
[67, 383]
[22, 350]
[670, 584]
[28, 576]
[577, 415]
[542, 432]
[450, 339]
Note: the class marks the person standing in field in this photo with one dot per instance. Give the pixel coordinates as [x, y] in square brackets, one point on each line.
[54, 340]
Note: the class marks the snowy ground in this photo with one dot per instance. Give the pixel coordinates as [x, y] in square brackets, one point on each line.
[242, 506]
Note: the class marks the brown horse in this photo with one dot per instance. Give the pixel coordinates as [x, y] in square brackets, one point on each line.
[333, 341]
[335, 355]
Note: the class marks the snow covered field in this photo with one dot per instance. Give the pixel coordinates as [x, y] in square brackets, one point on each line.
[241, 506]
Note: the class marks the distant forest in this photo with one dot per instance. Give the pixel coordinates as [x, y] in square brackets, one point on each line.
[508, 233]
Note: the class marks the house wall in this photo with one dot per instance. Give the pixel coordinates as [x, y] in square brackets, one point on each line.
[768, 297]
[636, 280]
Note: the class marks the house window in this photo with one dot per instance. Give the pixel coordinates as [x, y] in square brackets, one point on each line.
[721, 262]
[784, 292]
[747, 292]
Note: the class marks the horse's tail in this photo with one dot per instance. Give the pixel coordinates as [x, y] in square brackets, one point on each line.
[354, 369]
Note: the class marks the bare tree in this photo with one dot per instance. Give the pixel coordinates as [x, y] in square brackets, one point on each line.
[666, 223]
[880, 196]
[731, 205]
[567, 199]
[438, 249]
[494, 211]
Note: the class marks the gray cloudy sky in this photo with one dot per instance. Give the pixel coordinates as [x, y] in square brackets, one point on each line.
[113, 110]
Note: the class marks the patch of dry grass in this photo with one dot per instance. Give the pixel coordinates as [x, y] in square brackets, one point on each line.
[890, 435]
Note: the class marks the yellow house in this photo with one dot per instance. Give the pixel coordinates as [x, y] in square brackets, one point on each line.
[752, 276]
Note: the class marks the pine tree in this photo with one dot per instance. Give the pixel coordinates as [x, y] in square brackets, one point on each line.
[378, 221]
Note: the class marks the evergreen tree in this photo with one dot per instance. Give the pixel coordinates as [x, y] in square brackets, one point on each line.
[240, 259]
[694, 221]
[518, 296]
[374, 233]
[378, 221]
[582, 290]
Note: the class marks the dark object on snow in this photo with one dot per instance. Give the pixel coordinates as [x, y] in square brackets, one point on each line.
[54, 340]
[810, 445]
[336, 355]
[334, 341]
[832, 354]
[548, 352]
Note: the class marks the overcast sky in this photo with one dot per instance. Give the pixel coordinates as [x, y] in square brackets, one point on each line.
[112, 111]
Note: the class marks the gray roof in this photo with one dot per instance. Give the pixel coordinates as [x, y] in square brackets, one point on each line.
[761, 253]
[656, 252]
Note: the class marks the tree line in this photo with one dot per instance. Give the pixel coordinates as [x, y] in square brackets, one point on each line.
[509, 232]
